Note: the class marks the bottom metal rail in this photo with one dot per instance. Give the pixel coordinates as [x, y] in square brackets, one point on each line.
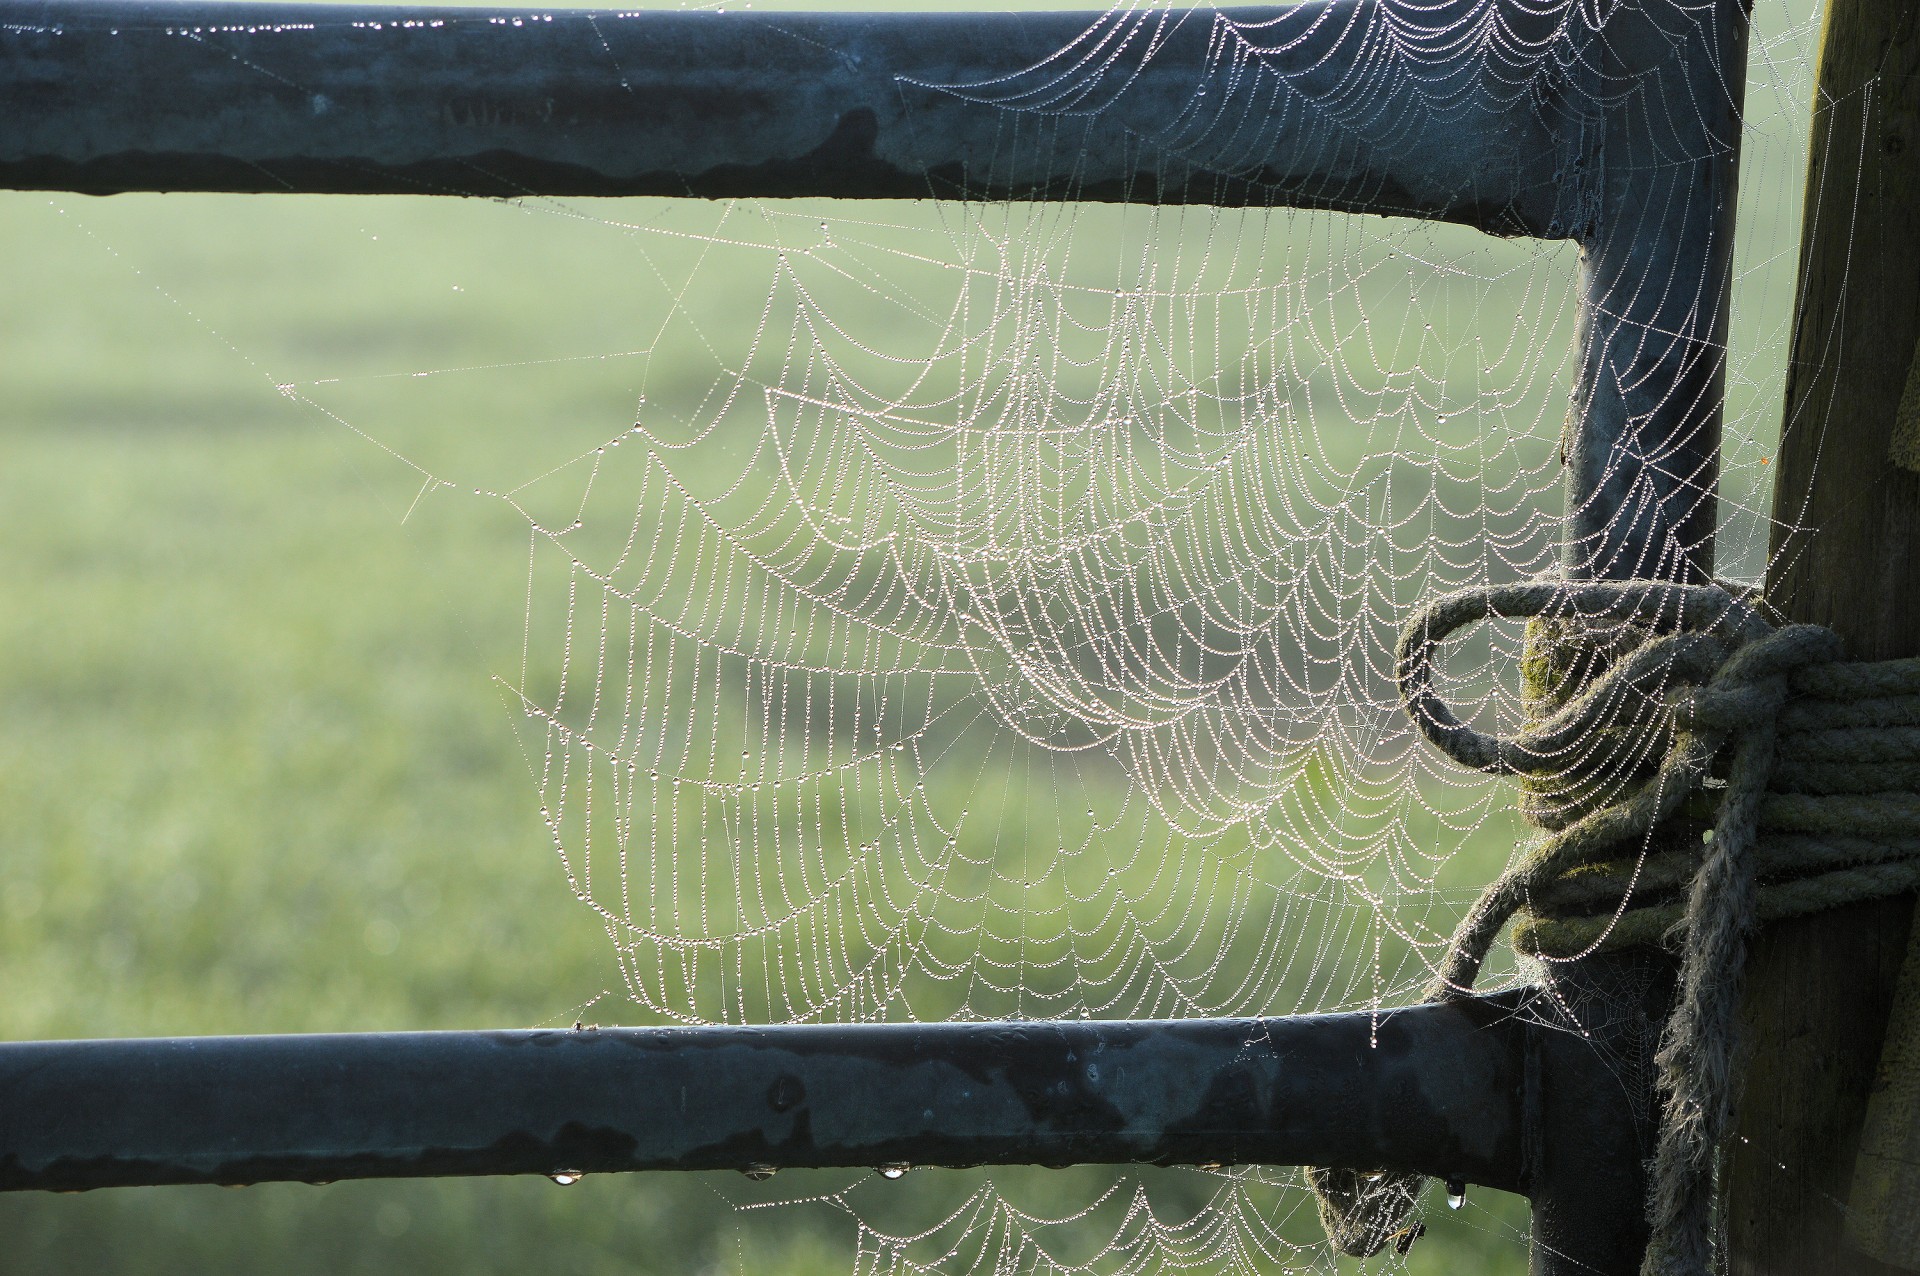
[1496, 1090]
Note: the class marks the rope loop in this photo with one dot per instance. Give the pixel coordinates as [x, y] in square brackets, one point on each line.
[1673, 696]
[1704, 621]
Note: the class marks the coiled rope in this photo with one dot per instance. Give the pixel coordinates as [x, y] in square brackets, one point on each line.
[1666, 694]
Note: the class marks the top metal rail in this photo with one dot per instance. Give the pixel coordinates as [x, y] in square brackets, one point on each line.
[1071, 106]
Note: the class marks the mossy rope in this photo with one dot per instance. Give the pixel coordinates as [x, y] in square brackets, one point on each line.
[1647, 698]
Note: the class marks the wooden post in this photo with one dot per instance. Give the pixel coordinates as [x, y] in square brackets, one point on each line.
[1846, 553]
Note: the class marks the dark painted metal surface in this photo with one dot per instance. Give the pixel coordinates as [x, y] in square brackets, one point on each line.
[103, 96]
[1591, 1114]
[1436, 1089]
[1541, 1093]
[1659, 166]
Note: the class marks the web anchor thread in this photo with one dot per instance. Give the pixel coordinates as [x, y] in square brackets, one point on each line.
[1646, 697]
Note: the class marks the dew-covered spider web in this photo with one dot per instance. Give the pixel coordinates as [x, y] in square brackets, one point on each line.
[1021, 657]
[959, 610]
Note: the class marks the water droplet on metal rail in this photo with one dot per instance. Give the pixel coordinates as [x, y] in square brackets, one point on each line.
[566, 1178]
[894, 1170]
[1456, 1193]
[760, 1173]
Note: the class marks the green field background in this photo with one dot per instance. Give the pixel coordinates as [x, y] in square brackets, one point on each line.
[255, 774]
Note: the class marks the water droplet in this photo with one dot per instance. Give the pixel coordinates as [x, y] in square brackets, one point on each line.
[566, 1178]
[760, 1173]
[1456, 1193]
[894, 1170]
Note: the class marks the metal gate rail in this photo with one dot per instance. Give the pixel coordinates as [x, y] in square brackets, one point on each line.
[1624, 138]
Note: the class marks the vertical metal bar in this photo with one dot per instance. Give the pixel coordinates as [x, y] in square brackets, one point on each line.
[1591, 1115]
[1658, 154]
[1658, 158]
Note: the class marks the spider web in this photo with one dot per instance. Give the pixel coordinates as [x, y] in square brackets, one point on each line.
[962, 610]
[986, 610]
[998, 625]
[1029, 664]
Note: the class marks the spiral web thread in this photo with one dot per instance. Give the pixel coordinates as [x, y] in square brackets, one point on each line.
[969, 611]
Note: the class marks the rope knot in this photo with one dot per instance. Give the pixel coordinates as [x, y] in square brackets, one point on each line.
[1748, 690]
[1648, 698]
